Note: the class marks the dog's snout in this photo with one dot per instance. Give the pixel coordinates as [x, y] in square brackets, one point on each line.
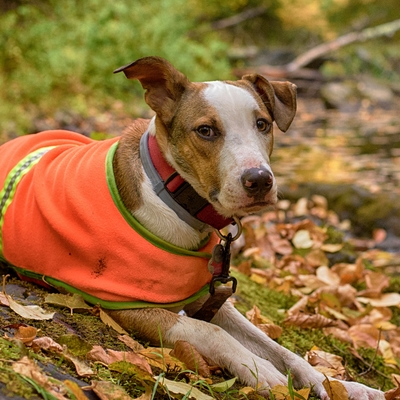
[257, 182]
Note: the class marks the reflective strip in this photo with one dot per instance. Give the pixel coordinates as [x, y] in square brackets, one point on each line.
[12, 180]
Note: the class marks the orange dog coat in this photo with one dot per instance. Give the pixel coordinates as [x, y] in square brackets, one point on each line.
[62, 221]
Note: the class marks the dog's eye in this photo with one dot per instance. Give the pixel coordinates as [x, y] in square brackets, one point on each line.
[206, 132]
[263, 125]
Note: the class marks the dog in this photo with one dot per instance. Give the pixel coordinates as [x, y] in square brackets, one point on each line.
[130, 222]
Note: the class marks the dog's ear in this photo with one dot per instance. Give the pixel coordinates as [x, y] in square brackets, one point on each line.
[163, 83]
[278, 97]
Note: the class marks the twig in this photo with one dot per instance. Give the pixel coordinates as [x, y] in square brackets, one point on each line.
[238, 18]
[375, 354]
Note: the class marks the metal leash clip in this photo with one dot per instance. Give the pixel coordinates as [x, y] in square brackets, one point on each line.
[219, 263]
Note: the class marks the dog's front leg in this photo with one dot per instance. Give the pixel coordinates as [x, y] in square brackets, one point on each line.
[284, 360]
[214, 343]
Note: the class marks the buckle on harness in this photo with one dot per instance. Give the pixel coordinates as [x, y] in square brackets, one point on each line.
[219, 263]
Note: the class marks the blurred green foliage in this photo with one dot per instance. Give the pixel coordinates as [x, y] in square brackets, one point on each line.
[61, 54]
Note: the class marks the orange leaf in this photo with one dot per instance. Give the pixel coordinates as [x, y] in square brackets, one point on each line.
[193, 360]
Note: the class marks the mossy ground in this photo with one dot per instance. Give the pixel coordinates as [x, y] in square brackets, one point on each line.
[92, 331]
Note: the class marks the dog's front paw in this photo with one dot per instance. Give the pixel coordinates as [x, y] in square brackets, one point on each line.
[260, 374]
[356, 391]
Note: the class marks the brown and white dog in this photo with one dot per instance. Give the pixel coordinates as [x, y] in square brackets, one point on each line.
[218, 137]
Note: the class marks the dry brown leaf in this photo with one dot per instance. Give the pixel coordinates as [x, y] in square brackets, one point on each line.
[319, 358]
[271, 330]
[161, 358]
[30, 369]
[316, 258]
[81, 367]
[193, 360]
[338, 333]
[332, 247]
[307, 321]
[48, 344]
[364, 335]
[335, 390]
[26, 334]
[393, 394]
[110, 322]
[326, 275]
[349, 273]
[386, 300]
[298, 307]
[131, 343]
[109, 391]
[109, 356]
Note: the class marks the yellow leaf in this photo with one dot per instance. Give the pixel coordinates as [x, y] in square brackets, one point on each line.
[335, 390]
[110, 322]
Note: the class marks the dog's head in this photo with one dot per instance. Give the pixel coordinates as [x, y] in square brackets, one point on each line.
[218, 135]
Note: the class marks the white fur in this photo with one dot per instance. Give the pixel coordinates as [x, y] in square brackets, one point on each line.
[248, 353]
[244, 147]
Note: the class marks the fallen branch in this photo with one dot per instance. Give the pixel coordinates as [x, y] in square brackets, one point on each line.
[300, 62]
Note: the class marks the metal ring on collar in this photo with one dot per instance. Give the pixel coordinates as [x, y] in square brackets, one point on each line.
[238, 233]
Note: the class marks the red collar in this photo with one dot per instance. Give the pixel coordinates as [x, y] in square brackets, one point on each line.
[175, 191]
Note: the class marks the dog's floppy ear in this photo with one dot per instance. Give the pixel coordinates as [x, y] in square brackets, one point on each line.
[163, 83]
[278, 97]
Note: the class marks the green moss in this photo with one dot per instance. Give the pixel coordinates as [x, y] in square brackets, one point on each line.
[250, 293]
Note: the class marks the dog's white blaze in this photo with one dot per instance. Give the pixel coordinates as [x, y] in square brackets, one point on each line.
[243, 145]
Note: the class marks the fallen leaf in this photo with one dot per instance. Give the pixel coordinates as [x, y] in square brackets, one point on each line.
[30, 312]
[109, 391]
[81, 367]
[338, 333]
[26, 334]
[332, 247]
[302, 239]
[110, 356]
[281, 392]
[161, 358]
[75, 389]
[73, 302]
[223, 386]
[131, 343]
[271, 330]
[335, 390]
[29, 369]
[48, 344]
[4, 300]
[111, 323]
[386, 300]
[393, 394]
[183, 388]
[326, 275]
[307, 321]
[349, 273]
[193, 360]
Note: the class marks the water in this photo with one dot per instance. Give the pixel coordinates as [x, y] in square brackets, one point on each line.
[330, 146]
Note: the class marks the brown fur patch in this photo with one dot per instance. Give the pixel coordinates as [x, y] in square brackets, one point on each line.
[147, 323]
[127, 165]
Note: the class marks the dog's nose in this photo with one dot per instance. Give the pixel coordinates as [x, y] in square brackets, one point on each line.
[257, 181]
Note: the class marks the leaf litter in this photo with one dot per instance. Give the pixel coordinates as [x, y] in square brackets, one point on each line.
[291, 251]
